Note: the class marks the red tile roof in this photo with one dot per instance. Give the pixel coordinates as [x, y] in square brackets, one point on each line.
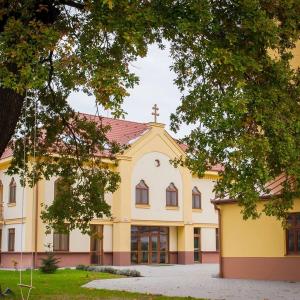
[274, 188]
[122, 132]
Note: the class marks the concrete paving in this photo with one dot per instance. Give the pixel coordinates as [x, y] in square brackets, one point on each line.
[199, 281]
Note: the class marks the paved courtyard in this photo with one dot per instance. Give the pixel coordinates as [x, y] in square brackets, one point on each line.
[199, 281]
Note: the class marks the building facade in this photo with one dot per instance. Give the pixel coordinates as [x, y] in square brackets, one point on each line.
[262, 248]
[160, 214]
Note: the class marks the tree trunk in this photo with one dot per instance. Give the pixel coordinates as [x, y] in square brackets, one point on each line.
[10, 110]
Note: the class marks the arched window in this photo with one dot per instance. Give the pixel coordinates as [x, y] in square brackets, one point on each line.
[171, 195]
[12, 191]
[142, 193]
[196, 198]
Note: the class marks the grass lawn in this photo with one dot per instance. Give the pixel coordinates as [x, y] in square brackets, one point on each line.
[66, 285]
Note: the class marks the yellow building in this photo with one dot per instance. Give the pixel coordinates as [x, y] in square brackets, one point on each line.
[161, 214]
[262, 248]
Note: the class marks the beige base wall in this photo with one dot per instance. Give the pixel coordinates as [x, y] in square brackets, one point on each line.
[66, 259]
[210, 257]
[121, 258]
[72, 259]
[262, 268]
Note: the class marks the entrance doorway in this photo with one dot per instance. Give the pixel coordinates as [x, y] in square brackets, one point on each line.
[149, 245]
[96, 246]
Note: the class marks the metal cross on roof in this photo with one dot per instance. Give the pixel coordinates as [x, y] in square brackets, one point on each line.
[155, 112]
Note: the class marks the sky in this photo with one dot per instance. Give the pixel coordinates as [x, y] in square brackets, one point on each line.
[155, 87]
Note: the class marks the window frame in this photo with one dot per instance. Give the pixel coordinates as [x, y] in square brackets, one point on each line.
[295, 228]
[171, 189]
[60, 239]
[196, 192]
[139, 188]
[11, 241]
[12, 196]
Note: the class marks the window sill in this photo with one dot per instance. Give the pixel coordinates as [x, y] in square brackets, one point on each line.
[11, 204]
[292, 255]
[197, 210]
[172, 207]
[142, 206]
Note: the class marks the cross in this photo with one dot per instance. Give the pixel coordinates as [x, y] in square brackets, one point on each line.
[155, 112]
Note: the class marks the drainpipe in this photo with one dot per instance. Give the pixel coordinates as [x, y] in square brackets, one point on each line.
[220, 241]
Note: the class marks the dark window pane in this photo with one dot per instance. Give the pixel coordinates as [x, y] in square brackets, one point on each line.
[134, 243]
[134, 229]
[154, 243]
[163, 242]
[144, 258]
[196, 256]
[196, 201]
[154, 258]
[144, 243]
[163, 259]
[291, 245]
[145, 196]
[171, 195]
[163, 230]
[11, 239]
[61, 242]
[196, 230]
[141, 193]
[298, 219]
[196, 242]
[298, 250]
[134, 257]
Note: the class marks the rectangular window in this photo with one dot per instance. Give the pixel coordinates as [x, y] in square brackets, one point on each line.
[293, 234]
[12, 194]
[141, 196]
[60, 242]
[11, 239]
[171, 198]
[196, 201]
[197, 244]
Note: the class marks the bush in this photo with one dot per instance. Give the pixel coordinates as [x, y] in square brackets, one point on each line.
[124, 272]
[49, 264]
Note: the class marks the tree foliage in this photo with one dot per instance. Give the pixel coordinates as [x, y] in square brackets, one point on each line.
[232, 64]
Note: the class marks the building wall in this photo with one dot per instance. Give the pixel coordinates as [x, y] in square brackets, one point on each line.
[18, 237]
[13, 211]
[157, 179]
[208, 239]
[207, 214]
[256, 248]
[136, 163]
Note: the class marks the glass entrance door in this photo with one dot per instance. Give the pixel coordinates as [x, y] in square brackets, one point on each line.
[144, 246]
[149, 244]
[154, 249]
